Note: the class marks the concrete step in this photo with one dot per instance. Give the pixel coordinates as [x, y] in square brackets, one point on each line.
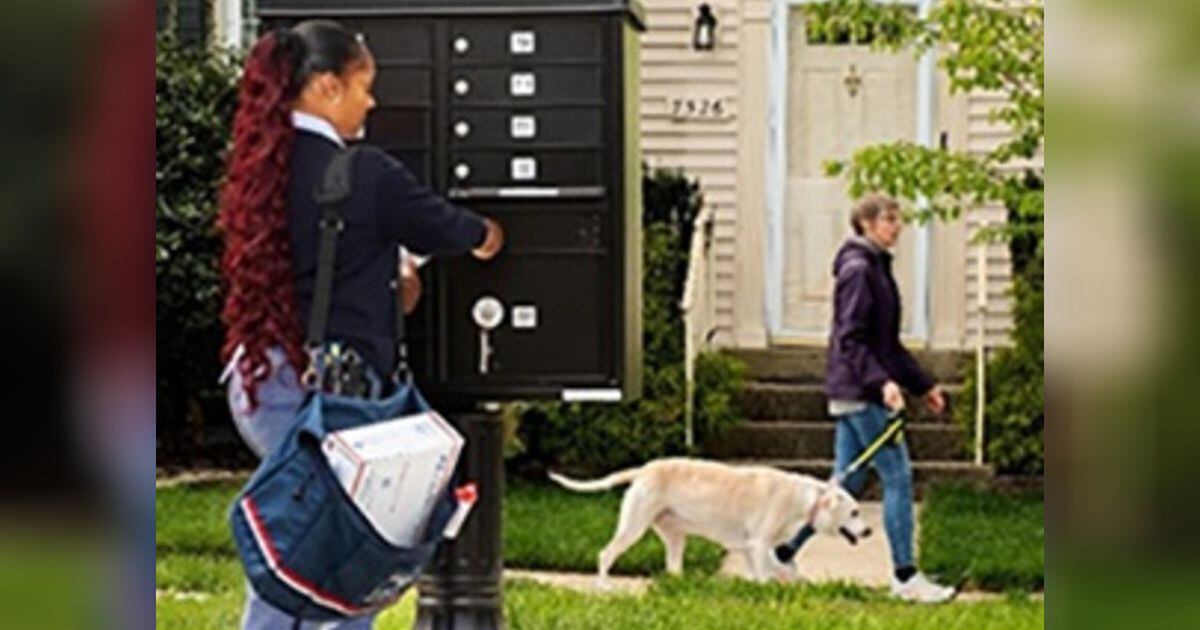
[814, 440]
[761, 401]
[925, 473]
[807, 364]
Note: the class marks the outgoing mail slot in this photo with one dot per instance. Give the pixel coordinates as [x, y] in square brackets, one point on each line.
[494, 128]
[552, 167]
[550, 84]
[551, 226]
[521, 40]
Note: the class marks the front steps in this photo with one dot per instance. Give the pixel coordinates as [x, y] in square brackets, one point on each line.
[787, 425]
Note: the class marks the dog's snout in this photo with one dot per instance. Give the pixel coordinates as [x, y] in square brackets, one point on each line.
[866, 532]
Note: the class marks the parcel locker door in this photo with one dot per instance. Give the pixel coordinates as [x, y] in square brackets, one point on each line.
[526, 85]
[574, 127]
[554, 282]
[541, 167]
[524, 40]
[552, 323]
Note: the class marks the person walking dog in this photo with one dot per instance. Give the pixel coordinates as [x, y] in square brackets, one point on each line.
[304, 93]
[866, 369]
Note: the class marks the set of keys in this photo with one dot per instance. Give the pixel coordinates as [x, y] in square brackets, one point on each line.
[345, 372]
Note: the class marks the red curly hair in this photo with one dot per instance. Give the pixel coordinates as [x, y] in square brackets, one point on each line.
[260, 305]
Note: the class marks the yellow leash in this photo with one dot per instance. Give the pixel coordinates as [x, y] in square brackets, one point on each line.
[893, 431]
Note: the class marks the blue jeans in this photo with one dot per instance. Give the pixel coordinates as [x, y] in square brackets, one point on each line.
[279, 398]
[855, 431]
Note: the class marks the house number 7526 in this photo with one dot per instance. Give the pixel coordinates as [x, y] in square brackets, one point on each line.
[683, 108]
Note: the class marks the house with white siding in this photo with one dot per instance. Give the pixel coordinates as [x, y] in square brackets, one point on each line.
[755, 117]
[737, 95]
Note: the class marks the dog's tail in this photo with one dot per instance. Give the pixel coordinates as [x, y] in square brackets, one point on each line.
[618, 478]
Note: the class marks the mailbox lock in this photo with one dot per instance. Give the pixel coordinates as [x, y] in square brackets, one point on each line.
[462, 87]
[462, 129]
[488, 314]
[461, 45]
[462, 170]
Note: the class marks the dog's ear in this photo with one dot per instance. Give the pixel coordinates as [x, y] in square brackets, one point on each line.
[828, 501]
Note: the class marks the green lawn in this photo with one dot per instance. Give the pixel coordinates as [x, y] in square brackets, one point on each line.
[988, 540]
[688, 603]
[983, 539]
[547, 527]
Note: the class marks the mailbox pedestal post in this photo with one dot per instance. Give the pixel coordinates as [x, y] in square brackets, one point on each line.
[462, 589]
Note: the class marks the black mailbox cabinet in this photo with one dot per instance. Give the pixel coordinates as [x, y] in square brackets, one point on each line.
[526, 112]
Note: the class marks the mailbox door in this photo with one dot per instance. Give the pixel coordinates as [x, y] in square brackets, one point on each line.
[555, 284]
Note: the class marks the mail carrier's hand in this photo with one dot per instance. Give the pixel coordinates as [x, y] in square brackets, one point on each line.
[410, 284]
[492, 243]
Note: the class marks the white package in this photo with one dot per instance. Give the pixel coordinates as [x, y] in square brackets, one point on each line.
[396, 470]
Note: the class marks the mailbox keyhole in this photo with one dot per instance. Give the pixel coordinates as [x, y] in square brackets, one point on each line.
[488, 313]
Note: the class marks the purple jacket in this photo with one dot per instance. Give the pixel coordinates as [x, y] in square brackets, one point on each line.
[864, 345]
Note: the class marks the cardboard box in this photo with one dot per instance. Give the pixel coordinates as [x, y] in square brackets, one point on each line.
[395, 470]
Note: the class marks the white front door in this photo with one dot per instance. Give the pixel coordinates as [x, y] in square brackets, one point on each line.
[840, 96]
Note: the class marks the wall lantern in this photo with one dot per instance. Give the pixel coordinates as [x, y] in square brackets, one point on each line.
[704, 37]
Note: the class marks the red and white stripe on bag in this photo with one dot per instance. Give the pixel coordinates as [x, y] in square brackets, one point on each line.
[466, 495]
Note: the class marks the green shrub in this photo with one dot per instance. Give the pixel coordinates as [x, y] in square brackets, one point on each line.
[195, 97]
[718, 379]
[593, 438]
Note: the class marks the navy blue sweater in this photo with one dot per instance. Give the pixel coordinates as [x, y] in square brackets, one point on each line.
[388, 208]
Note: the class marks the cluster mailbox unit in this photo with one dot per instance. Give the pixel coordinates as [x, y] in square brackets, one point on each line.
[526, 112]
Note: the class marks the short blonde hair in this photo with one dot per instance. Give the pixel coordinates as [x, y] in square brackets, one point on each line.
[869, 208]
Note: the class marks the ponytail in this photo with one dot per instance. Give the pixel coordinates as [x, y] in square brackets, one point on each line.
[260, 305]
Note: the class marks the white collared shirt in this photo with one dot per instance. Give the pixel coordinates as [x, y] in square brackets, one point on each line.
[317, 125]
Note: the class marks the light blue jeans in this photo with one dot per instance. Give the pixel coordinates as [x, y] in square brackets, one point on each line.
[279, 398]
[856, 431]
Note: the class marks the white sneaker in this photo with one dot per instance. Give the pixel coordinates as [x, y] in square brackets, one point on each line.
[919, 588]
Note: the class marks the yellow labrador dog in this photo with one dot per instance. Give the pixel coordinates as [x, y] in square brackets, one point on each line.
[746, 509]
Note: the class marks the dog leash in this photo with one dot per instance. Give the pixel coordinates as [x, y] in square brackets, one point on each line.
[893, 431]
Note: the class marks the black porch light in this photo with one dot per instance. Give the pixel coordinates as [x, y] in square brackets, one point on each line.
[704, 35]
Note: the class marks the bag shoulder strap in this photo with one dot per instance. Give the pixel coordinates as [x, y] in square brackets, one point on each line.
[331, 194]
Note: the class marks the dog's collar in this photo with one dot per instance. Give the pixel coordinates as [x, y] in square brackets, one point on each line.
[815, 509]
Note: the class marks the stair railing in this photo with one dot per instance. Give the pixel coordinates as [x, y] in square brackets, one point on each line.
[696, 307]
[981, 306]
